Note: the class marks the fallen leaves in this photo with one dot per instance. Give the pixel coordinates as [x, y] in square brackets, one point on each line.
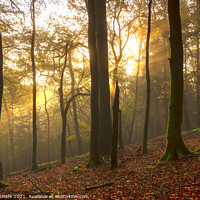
[137, 177]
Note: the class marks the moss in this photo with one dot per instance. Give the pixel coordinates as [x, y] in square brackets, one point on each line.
[159, 163]
[197, 130]
[97, 161]
[197, 150]
[2, 184]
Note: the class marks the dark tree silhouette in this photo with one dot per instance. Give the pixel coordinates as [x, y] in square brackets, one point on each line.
[34, 156]
[95, 157]
[105, 127]
[175, 145]
[1, 73]
[146, 124]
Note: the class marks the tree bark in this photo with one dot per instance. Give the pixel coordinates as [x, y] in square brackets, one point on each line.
[78, 137]
[69, 142]
[1, 171]
[1, 73]
[34, 156]
[95, 157]
[115, 128]
[198, 68]
[63, 114]
[175, 147]
[105, 128]
[146, 124]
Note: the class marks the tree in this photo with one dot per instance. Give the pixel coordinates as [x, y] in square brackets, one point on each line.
[34, 155]
[105, 128]
[136, 91]
[146, 124]
[115, 128]
[198, 65]
[1, 171]
[78, 137]
[95, 157]
[64, 107]
[175, 146]
[1, 73]
[10, 128]
[48, 122]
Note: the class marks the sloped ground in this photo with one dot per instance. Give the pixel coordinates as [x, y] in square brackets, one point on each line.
[137, 177]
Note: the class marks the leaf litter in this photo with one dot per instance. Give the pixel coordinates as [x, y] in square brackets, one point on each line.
[137, 175]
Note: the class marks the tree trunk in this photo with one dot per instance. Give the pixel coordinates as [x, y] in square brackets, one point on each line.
[63, 114]
[115, 128]
[175, 145]
[136, 93]
[120, 130]
[29, 139]
[105, 128]
[1, 171]
[95, 157]
[48, 123]
[198, 68]
[69, 142]
[146, 124]
[34, 156]
[78, 137]
[1, 73]
[63, 142]
[11, 135]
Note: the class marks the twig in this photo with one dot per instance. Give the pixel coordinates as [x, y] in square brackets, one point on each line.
[35, 185]
[98, 186]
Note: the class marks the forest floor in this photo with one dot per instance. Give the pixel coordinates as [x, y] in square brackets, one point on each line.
[137, 176]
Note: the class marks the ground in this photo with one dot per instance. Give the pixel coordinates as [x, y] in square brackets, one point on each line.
[137, 176]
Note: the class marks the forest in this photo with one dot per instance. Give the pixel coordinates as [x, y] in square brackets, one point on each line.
[104, 92]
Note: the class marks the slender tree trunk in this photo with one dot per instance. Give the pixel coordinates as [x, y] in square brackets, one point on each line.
[1, 171]
[11, 136]
[63, 148]
[95, 157]
[175, 145]
[34, 156]
[6, 144]
[1, 73]
[105, 127]
[146, 124]
[69, 142]
[120, 130]
[29, 138]
[166, 99]
[48, 123]
[136, 93]
[63, 114]
[115, 128]
[78, 137]
[198, 68]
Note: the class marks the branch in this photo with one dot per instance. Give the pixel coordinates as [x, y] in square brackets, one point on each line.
[98, 186]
